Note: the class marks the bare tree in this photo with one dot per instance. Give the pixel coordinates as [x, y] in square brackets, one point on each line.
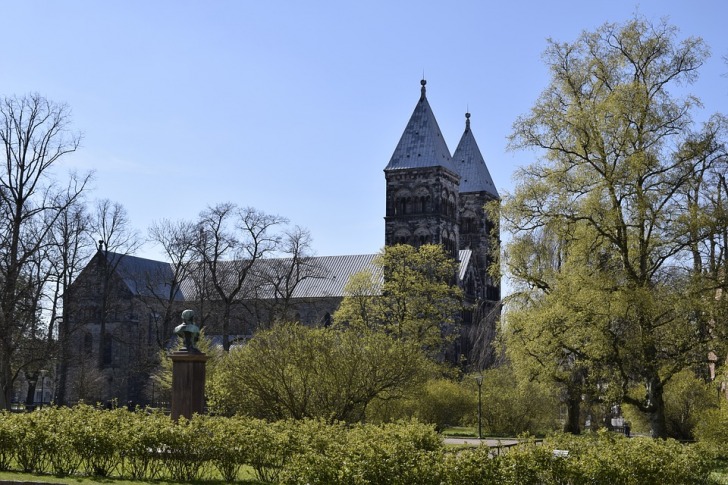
[111, 227]
[70, 248]
[179, 241]
[276, 279]
[35, 136]
[233, 240]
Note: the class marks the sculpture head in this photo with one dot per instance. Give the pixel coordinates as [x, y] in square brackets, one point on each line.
[188, 331]
[188, 316]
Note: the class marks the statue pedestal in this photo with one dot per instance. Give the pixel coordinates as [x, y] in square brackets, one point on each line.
[188, 383]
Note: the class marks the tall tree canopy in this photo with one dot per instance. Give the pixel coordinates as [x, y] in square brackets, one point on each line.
[413, 297]
[618, 248]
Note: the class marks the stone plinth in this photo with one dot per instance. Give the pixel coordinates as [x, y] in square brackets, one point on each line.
[188, 383]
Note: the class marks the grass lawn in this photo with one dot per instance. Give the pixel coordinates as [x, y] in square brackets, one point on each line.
[246, 477]
[717, 477]
[460, 432]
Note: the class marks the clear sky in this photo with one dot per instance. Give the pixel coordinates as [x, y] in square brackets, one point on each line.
[295, 107]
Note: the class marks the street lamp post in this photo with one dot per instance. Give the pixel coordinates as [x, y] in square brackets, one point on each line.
[479, 380]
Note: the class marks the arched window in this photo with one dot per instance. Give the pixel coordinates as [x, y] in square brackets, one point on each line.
[401, 206]
[418, 205]
[468, 225]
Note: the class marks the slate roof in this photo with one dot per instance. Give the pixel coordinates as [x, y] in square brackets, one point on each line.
[336, 271]
[319, 277]
[326, 277]
[469, 162]
[422, 144]
[143, 277]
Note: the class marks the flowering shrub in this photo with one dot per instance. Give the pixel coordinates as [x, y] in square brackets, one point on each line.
[148, 446]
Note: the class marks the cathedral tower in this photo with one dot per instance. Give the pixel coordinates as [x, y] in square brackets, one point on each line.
[475, 228]
[422, 185]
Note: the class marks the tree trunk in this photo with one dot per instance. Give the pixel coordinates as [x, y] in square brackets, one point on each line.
[6, 381]
[573, 410]
[226, 328]
[658, 423]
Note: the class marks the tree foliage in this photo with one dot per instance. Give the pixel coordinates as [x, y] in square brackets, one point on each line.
[412, 297]
[292, 371]
[617, 246]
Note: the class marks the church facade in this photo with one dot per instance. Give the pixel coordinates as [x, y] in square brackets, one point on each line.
[120, 305]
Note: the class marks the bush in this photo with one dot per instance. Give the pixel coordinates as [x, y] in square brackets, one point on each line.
[592, 458]
[441, 402]
[712, 427]
[31, 435]
[120, 443]
[97, 437]
[391, 454]
[293, 371]
[510, 409]
[7, 440]
[65, 458]
[142, 444]
[473, 465]
[605, 457]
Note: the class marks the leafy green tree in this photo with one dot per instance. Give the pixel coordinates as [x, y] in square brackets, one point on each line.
[614, 289]
[688, 400]
[292, 371]
[413, 297]
[546, 340]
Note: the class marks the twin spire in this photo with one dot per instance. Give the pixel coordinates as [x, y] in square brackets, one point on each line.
[422, 145]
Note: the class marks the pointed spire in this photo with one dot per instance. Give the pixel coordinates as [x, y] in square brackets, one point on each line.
[422, 144]
[474, 174]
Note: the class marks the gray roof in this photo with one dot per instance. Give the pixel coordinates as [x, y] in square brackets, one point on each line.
[336, 271]
[144, 277]
[422, 144]
[469, 162]
[320, 277]
[316, 277]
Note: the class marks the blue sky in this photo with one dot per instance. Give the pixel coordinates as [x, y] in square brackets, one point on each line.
[295, 107]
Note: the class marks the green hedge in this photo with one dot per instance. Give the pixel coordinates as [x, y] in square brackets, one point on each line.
[147, 446]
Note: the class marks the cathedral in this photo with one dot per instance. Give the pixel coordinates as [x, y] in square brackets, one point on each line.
[432, 197]
[436, 198]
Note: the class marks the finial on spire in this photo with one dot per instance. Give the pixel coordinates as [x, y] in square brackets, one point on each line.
[423, 82]
[467, 121]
